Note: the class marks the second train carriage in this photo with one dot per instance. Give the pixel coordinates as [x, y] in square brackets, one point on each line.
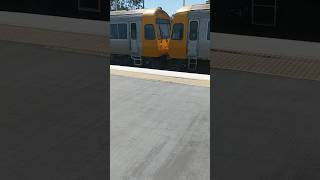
[190, 39]
[140, 37]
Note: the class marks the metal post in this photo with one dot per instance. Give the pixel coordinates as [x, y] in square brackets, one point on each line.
[184, 2]
[142, 4]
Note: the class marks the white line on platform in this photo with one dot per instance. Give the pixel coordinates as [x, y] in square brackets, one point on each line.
[162, 72]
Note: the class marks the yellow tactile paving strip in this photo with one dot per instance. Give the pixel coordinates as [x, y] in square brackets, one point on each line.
[308, 69]
[192, 82]
[85, 43]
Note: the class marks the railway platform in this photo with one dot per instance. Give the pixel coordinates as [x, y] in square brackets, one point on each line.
[265, 116]
[53, 113]
[53, 109]
[159, 124]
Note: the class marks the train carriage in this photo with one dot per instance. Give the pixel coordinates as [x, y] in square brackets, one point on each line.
[190, 39]
[140, 37]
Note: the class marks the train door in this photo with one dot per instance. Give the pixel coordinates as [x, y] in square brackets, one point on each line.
[134, 43]
[193, 43]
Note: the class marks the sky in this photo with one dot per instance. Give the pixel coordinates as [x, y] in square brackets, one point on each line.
[170, 6]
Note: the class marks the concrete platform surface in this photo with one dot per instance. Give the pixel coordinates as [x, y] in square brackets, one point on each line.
[265, 127]
[53, 121]
[53, 114]
[159, 130]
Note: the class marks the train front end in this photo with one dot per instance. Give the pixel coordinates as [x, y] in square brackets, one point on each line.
[155, 37]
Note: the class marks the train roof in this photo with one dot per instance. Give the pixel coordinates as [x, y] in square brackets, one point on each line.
[150, 11]
[194, 7]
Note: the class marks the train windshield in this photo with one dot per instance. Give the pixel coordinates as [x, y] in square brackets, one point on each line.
[164, 28]
[177, 31]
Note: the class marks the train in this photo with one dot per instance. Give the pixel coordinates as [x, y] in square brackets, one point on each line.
[151, 38]
[139, 37]
[190, 38]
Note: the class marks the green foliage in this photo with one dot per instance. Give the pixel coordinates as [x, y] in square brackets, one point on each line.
[126, 4]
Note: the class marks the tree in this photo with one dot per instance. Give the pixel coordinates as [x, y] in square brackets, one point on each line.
[126, 4]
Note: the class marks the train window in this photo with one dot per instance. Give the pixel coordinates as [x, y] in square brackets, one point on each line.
[158, 31]
[114, 31]
[89, 5]
[164, 28]
[177, 31]
[264, 12]
[163, 21]
[149, 32]
[208, 31]
[122, 28]
[193, 33]
[133, 31]
[164, 31]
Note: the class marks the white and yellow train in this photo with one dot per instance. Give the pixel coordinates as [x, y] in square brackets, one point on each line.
[190, 38]
[149, 38]
[142, 35]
